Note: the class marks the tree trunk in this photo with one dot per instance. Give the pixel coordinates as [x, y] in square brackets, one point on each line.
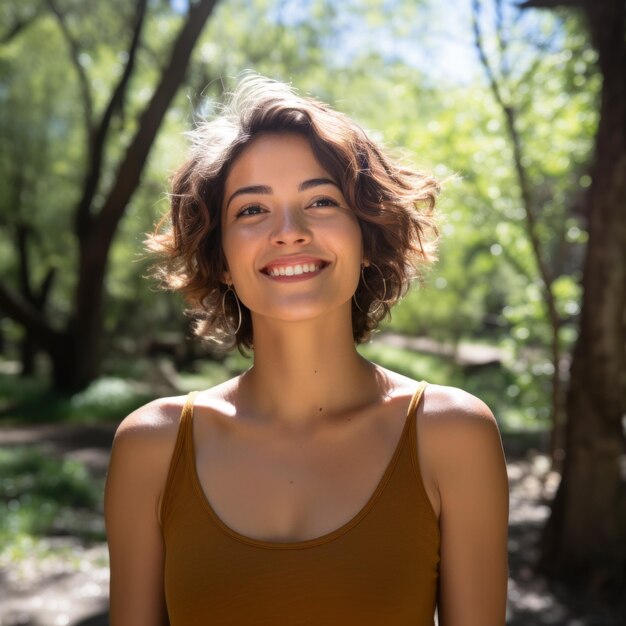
[585, 538]
[28, 353]
[96, 235]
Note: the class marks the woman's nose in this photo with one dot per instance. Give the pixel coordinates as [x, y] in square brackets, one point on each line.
[290, 228]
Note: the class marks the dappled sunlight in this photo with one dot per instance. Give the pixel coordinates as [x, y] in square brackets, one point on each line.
[55, 581]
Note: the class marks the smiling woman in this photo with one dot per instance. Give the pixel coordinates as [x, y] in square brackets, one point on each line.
[317, 487]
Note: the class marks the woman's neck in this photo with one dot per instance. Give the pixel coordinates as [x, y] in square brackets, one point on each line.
[306, 372]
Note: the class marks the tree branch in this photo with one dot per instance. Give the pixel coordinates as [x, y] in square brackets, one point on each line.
[80, 70]
[550, 4]
[24, 16]
[17, 27]
[37, 297]
[44, 289]
[509, 114]
[94, 248]
[130, 169]
[22, 233]
[545, 275]
[20, 310]
[502, 42]
[83, 212]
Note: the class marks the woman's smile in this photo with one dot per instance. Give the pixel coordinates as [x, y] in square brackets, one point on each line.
[294, 268]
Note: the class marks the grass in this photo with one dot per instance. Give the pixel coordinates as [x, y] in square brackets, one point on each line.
[43, 495]
[30, 400]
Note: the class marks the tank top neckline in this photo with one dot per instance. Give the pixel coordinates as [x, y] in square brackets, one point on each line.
[190, 453]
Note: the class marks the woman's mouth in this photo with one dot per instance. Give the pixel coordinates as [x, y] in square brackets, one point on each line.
[294, 271]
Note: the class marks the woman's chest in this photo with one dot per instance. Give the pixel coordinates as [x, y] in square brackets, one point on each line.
[294, 489]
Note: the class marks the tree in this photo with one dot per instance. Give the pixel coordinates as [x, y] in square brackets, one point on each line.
[546, 268]
[585, 537]
[75, 348]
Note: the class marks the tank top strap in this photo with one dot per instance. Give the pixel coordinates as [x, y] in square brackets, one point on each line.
[413, 447]
[186, 415]
[184, 434]
[415, 400]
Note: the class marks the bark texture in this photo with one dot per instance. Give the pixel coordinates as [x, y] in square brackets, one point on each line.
[584, 540]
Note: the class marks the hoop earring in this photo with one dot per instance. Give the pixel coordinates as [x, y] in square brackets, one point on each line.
[230, 288]
[381, 301]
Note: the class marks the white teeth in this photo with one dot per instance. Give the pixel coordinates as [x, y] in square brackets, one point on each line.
[294, 270]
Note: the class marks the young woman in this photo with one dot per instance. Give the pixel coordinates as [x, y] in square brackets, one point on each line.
[316, 488]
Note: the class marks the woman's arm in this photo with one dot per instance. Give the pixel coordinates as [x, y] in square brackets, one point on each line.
[470, 471]
[137, 473]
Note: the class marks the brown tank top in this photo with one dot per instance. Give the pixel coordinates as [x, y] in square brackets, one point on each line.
[379, 568]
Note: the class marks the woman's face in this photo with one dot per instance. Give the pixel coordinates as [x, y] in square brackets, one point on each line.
[293, 247]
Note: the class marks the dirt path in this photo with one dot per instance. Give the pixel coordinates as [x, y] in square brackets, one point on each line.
[62, 582]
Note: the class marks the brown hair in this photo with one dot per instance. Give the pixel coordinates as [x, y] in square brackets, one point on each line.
[394, 206]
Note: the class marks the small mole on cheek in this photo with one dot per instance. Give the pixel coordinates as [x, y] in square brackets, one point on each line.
[320, 408]
[291, 482]
[315, 371]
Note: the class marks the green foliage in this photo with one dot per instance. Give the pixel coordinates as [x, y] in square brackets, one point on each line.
[408, 363]
[106, 398]
[31, 400]
[208, 374]
[41, 495]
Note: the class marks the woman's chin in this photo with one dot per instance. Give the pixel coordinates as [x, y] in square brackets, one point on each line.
[301, 313]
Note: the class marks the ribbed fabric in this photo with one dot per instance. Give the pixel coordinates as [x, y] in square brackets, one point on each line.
[378, 569]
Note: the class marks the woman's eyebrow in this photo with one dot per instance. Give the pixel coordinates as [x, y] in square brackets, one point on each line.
[315, 182]
[264, 189]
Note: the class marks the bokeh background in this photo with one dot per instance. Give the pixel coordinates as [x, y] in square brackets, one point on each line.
[520, 106]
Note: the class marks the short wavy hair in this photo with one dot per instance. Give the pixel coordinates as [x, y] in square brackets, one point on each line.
[394, 206]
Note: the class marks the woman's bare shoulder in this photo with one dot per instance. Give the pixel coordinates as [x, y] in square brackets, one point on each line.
[155, 424]
[142, 450]
[147, 436]
[153, 421]
[460, 429]
[450, 406]
[442, 404]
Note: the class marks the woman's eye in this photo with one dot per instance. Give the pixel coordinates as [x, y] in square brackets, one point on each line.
[254, 209]
[324, 202]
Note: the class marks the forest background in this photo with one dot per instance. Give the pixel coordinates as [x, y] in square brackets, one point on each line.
[519, 106]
